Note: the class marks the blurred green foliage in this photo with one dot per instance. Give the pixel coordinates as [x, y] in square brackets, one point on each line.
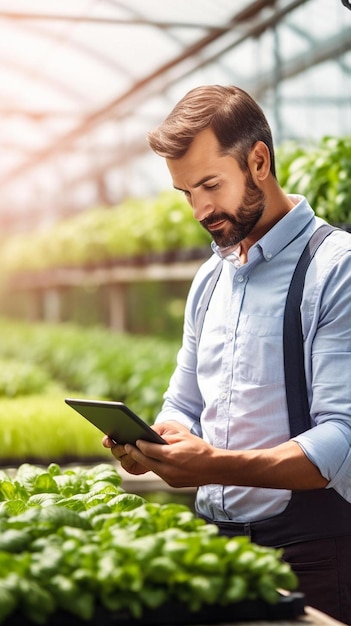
[94, 361]
[41, 364]
[17, 378]
[135, 228]
[322, 173]
[41, 427]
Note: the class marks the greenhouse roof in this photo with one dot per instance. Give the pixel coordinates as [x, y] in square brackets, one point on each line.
[82, 82]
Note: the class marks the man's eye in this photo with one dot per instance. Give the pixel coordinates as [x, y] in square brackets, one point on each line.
[211, 187]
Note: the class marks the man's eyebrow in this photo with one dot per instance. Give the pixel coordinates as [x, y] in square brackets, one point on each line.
[203, 180]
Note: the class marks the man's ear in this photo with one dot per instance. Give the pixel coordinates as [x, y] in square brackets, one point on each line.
[259, 162]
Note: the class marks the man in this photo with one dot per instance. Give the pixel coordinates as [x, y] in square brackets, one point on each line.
[225, 412]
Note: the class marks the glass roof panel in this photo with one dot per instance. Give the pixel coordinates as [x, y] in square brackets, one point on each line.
[82, 83]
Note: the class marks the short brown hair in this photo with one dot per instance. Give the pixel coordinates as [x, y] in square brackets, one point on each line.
[235, 118]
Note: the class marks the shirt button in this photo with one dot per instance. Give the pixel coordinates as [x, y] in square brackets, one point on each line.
[269, 256]
[240, 278]
[230, 336]
[223, 395]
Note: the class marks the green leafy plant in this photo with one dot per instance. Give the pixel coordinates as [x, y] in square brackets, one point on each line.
[73, 540]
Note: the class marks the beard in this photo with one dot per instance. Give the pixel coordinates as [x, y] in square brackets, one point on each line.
[247, 215]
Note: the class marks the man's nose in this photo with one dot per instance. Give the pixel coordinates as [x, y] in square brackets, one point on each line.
[201, 205]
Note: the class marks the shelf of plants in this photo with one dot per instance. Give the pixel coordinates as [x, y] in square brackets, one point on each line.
[76, 548]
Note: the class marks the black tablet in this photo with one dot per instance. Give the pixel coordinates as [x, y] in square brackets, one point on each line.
[116, 420]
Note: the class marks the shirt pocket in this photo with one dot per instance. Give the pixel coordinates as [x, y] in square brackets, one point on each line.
[260, 349]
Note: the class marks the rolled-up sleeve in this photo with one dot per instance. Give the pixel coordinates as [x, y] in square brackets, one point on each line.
[328, 447]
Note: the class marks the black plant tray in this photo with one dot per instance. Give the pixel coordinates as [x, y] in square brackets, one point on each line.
[175, 614]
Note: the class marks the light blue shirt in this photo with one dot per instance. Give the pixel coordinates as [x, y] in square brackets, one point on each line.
[231, 391]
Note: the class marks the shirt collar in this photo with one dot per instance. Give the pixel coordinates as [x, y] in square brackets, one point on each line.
[287, 229]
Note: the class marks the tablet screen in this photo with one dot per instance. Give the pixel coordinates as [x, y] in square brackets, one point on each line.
[116, 420]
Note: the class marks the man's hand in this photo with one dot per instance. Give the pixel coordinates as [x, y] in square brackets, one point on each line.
[175, 467]
[182, 463]
[120, 454]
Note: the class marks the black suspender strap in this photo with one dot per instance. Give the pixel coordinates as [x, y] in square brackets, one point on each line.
[295, 380]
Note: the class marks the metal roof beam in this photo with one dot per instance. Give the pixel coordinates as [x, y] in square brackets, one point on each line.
[333, 48]
[185, 64]
[163, 77]
[242, 16]
[320, 53]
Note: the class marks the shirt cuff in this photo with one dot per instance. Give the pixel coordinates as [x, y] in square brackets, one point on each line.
[328, 447]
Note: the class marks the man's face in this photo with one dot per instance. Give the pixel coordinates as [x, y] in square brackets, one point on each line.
[224, 199]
